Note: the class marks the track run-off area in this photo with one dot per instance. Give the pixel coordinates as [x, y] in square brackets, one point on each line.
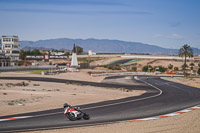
[162, 97]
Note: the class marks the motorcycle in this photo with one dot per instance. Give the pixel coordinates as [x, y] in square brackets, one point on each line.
[74, 113]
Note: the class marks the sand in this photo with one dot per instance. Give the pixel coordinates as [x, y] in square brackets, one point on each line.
[184, 123]
[195, 82]
[36, 96]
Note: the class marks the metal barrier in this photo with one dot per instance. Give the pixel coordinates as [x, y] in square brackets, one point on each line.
[122, 73]
[22, 68]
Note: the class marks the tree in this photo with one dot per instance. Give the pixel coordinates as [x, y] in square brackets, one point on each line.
[198, 69]
[185, 51]
[79, 50]
[22, 54]
[170, 66]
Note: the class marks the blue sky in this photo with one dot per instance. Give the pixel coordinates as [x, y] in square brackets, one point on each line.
[165, 23]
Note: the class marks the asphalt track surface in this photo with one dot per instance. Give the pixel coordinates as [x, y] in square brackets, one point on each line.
[162, 97]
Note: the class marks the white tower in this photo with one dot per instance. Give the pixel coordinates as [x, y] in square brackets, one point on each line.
[74, 61]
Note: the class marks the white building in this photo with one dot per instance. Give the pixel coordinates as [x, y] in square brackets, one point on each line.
[10, 47]
[91, 53]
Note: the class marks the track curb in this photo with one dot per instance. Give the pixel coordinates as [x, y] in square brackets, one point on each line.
[166, 115]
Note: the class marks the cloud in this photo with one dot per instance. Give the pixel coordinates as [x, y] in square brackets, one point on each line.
[172, 36]
[65, 2]
[77, 7]
[78, 12]
[175, 24]
[176, 36]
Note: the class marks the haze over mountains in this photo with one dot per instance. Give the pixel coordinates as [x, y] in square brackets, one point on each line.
[100, 46]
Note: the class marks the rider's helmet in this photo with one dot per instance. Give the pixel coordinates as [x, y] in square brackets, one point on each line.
[65, 105]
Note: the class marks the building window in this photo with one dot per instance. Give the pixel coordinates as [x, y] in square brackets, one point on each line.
[15, 46]
[15, 52]
[7, 39]
[7, 45]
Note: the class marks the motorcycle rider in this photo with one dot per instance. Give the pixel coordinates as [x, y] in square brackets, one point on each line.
[69, 108]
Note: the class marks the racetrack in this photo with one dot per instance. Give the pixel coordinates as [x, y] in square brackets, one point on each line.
[162, 97]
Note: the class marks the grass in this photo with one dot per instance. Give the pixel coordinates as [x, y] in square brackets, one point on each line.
[72, 83]
[23, 101]
[131, 61]
[28, 89]
[51, 90]
[36, 84]
[16, 84]
[90, 59]
[31, 71]
[17, 101]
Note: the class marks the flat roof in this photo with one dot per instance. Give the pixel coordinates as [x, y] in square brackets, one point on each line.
[9, 36]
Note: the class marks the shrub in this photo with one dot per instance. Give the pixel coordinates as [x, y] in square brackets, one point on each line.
[116, 67]
[147, 68]
[198, 71]
[175, 68]
[170, 66]
[184, 66]
[162, 68]
[134, 69]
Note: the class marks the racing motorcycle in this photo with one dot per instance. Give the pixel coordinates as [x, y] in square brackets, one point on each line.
[74, 113]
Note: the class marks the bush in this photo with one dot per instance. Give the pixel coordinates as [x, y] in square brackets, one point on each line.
[198, 71]
[134, 69]
[162, 68]
[170, 66]
[175, 68]
[147, 68]
[20, 63]
[114, 67]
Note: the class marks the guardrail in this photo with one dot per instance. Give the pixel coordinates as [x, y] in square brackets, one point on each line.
[122, 73]
[18, 68]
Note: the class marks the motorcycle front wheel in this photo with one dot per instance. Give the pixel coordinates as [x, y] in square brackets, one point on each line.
[71, 116]
[86, 116]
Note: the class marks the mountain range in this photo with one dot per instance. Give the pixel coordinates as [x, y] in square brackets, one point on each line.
[100, 46]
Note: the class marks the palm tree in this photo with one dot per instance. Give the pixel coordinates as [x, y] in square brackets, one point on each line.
[185, 51]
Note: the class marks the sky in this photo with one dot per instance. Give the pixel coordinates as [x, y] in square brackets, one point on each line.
[164, 23]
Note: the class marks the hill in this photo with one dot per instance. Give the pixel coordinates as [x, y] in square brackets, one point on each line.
[99, 46]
